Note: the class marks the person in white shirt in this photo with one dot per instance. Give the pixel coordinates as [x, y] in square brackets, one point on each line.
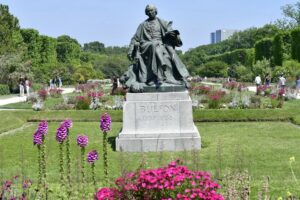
[282, 81]
[27, 86]
[257, 82]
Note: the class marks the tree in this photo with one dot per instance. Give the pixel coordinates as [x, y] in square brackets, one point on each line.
[292, 11]
[262, 67]
[84, 73]
[263, 49]
[12, 69]
[31, 38]
[68, 50]
[214, 69]
[296, 44]
[10, 39]
[277, 50]
[95, 47]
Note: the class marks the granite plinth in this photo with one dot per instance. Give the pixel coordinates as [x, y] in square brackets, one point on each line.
[164, 88]
[158, 122]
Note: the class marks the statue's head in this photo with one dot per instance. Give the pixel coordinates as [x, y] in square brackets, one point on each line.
[150, 8]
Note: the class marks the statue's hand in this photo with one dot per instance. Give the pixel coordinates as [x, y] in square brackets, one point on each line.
[171, 33]
[129, 56]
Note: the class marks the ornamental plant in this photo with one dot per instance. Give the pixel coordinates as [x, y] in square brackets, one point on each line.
[39, 141]
[91, 158]
[55, 92]
[61, 136]
[82, 102]
[170, 182]
[214, 99]
[231, 85]
[105, 123]
[43, 94]
[15, 189]
[67, 123]
[82, 142]
[202, 89]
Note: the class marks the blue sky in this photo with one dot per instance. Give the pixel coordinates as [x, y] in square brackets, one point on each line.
[113, 22]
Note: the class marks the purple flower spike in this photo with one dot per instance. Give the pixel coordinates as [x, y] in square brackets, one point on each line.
[61, 134]
[67, 123]
[105, 122]
[37, 138]
[43, 127]
[92, 156]
[82, 140]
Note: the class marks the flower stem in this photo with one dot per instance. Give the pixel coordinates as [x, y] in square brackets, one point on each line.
[61, 164]
[43, 162]
[68, 159]
[39, 166]
[105, 160]
[82, 171]
[93, 176]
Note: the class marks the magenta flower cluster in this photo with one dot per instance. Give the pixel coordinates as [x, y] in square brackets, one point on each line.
[37, 138]
[43, 127]
[105, 122]
[61, 133]
[82, 140]
[40, 132]
[108, 194]
[92, 156]
[171, 182]
[68, 123]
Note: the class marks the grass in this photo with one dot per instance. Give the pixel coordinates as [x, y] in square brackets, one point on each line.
[263, 148]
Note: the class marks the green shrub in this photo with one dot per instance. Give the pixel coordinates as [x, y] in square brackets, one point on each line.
[82, 103]
[4, 89]
[37, 86]
[277, 50]
[263, 49]
[295, 44]
[214, 69]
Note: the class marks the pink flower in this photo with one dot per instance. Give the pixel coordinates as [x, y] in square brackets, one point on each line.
[107, 194]
[105, 122]
[82, 140]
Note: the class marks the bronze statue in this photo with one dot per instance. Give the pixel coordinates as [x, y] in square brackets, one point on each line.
[152, 50]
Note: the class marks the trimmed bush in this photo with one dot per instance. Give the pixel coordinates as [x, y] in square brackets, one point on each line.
[4, 89]
[277, 50]
[263, 49]
[296, 44]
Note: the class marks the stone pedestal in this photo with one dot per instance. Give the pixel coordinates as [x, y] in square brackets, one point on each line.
[158, 122]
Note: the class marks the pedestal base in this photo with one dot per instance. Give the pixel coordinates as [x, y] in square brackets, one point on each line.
[158, 122]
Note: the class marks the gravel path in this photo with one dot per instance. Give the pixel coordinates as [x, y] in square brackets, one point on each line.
[22, 99]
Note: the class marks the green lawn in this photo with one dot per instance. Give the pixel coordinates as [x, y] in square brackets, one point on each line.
[263, 148]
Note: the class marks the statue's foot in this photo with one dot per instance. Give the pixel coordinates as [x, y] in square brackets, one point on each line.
[150, 83]
[174, 82]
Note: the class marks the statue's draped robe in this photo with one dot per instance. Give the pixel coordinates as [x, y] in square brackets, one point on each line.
[155, 53]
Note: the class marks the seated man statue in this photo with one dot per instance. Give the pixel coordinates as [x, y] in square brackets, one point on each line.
[152, 50]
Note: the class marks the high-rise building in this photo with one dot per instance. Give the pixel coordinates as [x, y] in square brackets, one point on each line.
[221, 35]
[212, 37]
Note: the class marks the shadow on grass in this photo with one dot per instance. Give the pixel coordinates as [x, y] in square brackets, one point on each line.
[112, 142]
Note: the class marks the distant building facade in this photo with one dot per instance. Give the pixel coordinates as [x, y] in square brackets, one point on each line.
[221, 35]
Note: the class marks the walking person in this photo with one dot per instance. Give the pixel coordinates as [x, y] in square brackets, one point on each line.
[27, 86]
[257, 83]
[21, 87]
[281, 82]
[267, 80]
[298, 85]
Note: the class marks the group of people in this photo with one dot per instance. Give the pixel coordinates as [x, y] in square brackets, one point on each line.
[281, 82]
[55, 82]
[24, 85]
